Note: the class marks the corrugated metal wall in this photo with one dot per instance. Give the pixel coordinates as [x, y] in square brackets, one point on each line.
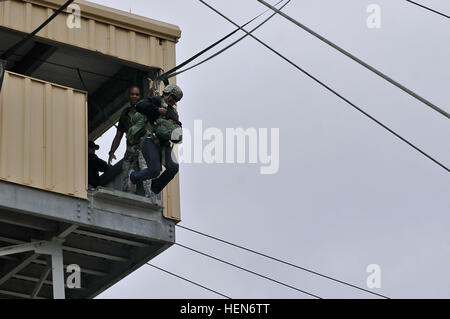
[43, 135]
[105, 30]
[95, 35]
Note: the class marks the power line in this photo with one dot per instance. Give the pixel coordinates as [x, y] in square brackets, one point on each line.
[427, 8]
[281, 261]
[332, 91]
[359, 61]
[190, 281]
[228, 46]
[249, 271]
[19, 44]
[170, 73]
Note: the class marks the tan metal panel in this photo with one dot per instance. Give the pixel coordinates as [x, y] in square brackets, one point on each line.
[171, 194]
[119, 18]
[45, 150]
[43, 135]
[113, 32]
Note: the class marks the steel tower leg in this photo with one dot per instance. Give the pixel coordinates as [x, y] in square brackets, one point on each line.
[57, 271]
[52, 248]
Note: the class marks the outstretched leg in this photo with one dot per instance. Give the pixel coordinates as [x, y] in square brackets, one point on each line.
[150, 152]
[172, 168]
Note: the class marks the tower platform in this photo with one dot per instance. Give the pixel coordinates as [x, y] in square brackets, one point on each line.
[43, 233]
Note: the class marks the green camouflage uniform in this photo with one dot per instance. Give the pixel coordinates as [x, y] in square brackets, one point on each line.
[133, 158]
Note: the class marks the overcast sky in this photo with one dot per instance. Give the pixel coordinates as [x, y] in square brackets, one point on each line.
[348, 193]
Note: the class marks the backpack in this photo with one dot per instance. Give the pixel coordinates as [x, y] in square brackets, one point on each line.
[137, 129]
[168, 130]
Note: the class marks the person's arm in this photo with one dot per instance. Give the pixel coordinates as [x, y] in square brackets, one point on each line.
[115, 144]
[150, 107]
[172, 114]
[102, 166]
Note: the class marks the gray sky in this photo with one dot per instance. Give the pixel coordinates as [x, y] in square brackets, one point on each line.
[348, 193]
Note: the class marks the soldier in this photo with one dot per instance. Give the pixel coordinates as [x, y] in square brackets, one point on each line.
[163, 128]
[131, 157]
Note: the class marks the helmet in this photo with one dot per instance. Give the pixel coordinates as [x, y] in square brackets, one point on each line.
[175, 90]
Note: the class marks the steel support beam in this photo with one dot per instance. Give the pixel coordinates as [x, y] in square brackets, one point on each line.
[57, 271]
[41, 281]
[14, 218]
[14, 270]
[118, 213]
[53, 248]
[111, 238]
[22, 248]
[84, 269]
[65, 231]
[34, 58]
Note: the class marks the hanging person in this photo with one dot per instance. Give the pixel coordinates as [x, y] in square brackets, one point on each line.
[163, 129]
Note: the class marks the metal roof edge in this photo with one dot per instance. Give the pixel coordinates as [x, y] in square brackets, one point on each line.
[120, 18]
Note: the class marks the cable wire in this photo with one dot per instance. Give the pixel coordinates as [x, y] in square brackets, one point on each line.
[230, 45]
[333, 91]
[19, 44]
[427, 8]
[281, 261]
[249, 271]
[169, 74]
[354, 58]
[190, 281]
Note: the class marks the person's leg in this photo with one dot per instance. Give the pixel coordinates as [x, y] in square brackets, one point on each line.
[142, 166]
[170, 172]
[150, 153]
[127, 164]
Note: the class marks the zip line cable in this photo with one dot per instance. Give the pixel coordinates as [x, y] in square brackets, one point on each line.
[281, 261]
[228, 46]
[432, 10]
[332, 91]
[354, 58]
[169, 74]
[190, 281]
[249, 271]
[287, 60]
[19, 44]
